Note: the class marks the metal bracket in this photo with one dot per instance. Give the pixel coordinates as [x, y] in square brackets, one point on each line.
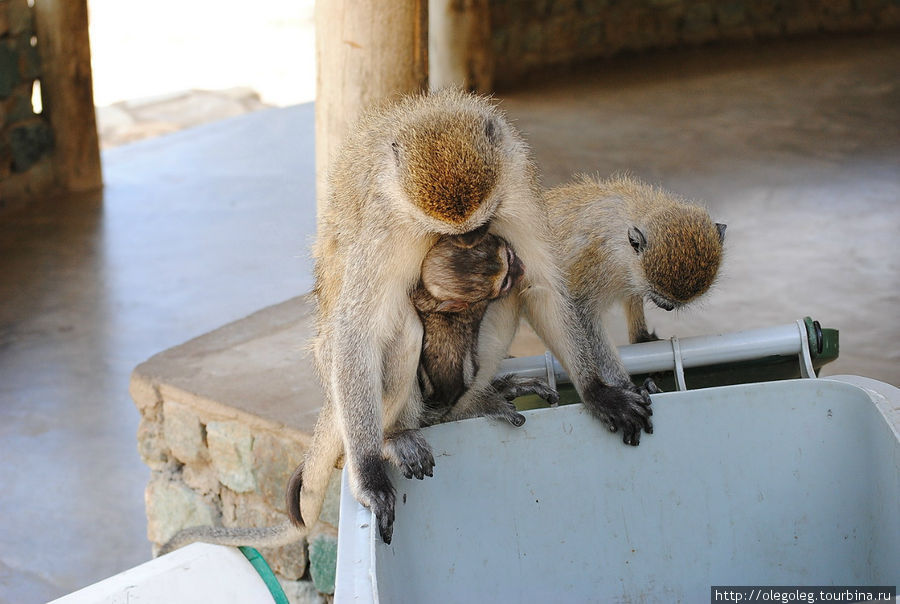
[679, 365]
[551, 373]
[806, 366]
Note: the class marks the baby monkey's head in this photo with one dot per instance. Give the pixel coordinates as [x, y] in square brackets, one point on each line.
[679, 250]
[460, 270]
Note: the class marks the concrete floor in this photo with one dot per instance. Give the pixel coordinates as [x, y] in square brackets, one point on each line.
[795, 145]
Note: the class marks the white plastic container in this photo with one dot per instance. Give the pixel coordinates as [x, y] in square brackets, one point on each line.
[781, 483]
[199, 572]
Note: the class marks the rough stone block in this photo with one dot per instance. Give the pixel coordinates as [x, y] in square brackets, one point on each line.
[9, 69]
[18, 105]
[230, 446]
[201, 477]
[151, 444]
[20, 21]
[301, 592]
[184, 433]
[4, 19]
[29, 60]
[323, 561]
[171, 506]
[289, 561]
[247, 509]
[274, 461]
[28, 143]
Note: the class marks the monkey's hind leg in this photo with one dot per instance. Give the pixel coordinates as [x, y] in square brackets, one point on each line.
[409, 451]
[513, 386]
[637, 323]
[496, 399]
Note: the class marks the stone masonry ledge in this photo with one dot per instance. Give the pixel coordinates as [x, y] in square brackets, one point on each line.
[255, 370]
[225, 419]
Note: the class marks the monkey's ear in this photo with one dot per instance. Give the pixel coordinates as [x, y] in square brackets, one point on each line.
[491, 131]
[472, 238]
[637, 239]
[452, 306]
[721, 228]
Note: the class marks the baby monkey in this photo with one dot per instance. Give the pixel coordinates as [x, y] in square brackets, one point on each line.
[461, 275]
[621, 240]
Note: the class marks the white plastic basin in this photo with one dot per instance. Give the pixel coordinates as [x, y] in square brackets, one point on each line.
[781, 483]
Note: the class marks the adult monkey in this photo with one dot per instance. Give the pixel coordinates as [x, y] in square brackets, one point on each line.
[430, 165]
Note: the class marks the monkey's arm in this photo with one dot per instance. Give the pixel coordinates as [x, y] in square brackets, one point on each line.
[591, 361]
[355, 383]
[637, 324]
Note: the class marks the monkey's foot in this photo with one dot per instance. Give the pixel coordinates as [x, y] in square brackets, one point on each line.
[627, 408]
[376, 492]
[410, 453]
[649, 387]
[645, 336]
[513, 386]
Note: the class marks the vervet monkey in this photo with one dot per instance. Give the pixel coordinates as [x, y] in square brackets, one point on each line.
[621, 240]
[426, 166]
[461, 274]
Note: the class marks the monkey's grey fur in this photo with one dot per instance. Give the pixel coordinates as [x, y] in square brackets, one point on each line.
[441, 164]
[621, 240]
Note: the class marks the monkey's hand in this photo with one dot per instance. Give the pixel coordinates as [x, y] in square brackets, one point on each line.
[376, 492]
[410, 453]
[626, 407]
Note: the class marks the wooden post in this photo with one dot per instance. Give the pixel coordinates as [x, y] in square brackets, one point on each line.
[366, 51]
[67, 92]
[459, 46]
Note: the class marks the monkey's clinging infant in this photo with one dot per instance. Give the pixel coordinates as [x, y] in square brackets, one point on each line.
[461, 275]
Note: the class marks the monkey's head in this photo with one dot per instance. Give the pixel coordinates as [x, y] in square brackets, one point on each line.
[461, 270]
[679, 255]
[448, 157]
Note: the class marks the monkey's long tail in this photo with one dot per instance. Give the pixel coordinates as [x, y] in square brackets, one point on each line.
[263, 536]
[295, 484]
[307, 486]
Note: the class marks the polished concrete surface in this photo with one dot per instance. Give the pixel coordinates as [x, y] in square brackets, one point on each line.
[795, 145]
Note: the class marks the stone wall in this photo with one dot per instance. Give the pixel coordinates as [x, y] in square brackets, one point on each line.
[528, 35]
[210, 466]
[25, 137]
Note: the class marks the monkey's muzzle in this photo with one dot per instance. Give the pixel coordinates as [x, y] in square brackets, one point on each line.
[661, 301]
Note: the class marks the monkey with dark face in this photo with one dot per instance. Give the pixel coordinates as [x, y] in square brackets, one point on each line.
[426, 166]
